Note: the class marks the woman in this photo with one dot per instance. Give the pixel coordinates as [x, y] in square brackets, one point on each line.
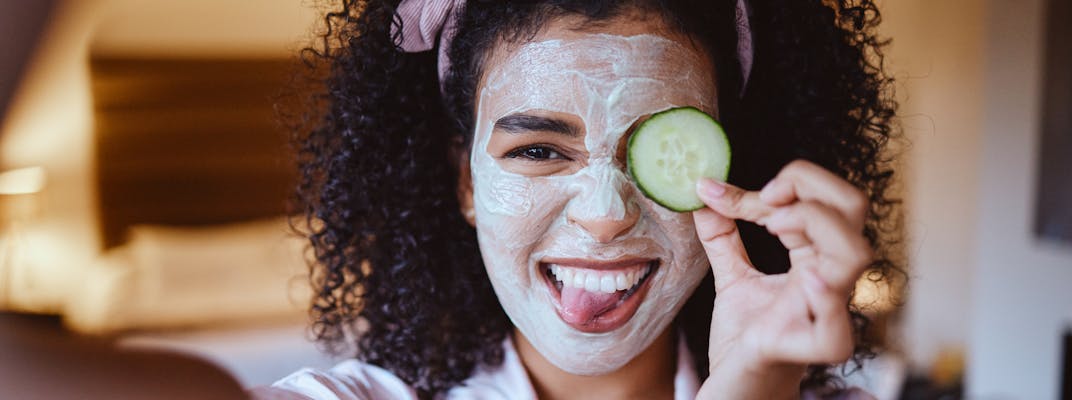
[462, 199]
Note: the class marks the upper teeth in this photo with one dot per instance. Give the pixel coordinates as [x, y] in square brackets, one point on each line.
[599, 281]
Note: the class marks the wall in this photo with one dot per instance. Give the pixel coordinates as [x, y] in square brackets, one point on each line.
[969, 76]
[937, 59]
[23, 23]
[1022, 293]
[50, 121]
[49, 125]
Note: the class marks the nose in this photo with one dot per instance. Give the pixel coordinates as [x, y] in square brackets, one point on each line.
[604, 230]
[605, 207]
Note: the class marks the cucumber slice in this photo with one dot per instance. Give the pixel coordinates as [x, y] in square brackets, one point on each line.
[672, 150]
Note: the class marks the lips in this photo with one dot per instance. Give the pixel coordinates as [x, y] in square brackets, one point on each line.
[597, 296]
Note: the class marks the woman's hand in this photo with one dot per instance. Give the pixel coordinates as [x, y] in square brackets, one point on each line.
[766, 329]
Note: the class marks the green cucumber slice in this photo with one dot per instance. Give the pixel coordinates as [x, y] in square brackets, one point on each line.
[672, 150]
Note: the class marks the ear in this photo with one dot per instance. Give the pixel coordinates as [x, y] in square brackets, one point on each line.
[459, 154]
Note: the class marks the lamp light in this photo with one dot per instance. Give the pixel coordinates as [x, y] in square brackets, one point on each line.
[19, 202]
[876, 296]
[27, 180]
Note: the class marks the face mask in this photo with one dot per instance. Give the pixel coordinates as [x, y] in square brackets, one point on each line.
[535, 232]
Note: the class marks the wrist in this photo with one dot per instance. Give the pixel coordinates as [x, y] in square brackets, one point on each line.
[743, 378]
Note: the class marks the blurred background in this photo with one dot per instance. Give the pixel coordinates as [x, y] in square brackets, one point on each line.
[143, 182]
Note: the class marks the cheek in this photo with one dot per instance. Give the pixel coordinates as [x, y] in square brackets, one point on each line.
[679, 234]
[514, 214]
[502, 194]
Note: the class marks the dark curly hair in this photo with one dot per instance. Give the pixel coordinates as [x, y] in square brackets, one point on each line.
[396, 270]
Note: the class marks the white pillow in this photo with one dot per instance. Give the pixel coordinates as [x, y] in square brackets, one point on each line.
[182, 276]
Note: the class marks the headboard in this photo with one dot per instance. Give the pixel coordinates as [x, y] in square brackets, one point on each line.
[188, 141]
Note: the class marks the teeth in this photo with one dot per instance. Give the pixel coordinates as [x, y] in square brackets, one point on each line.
[606, 284]
[599, 281]
[578, 279]
[591, 282]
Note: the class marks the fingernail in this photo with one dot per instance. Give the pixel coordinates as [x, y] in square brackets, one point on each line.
[710, 187]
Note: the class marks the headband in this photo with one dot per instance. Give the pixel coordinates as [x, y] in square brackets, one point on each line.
[423, 20]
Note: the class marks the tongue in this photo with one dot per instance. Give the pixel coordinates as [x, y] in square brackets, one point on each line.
[580, 306]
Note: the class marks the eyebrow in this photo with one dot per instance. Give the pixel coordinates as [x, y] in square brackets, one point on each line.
[520, 123]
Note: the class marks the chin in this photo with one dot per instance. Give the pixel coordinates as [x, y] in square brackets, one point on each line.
[610, 341]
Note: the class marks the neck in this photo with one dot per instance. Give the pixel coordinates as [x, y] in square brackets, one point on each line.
[649, 375]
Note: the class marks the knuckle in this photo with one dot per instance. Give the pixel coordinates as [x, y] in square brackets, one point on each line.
[857, 203]
[798, 165]
[793, 169]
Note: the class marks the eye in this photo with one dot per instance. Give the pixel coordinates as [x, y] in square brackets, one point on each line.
[535, 153]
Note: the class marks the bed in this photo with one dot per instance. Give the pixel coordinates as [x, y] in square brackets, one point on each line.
[193, 178]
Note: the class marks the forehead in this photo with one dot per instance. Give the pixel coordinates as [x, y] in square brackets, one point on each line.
[573, 73]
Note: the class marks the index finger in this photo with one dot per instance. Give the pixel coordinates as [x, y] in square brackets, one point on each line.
[733, 202]
[806, 181]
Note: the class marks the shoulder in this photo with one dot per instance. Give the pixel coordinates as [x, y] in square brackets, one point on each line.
[354, 379]
[349, 379]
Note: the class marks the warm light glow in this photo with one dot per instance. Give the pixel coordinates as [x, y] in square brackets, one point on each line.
[875, 296]
[22, 180]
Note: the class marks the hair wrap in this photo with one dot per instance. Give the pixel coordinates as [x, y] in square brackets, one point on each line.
[421, 21]
[745, 52]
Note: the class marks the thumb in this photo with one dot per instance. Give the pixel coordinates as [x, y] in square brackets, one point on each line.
[722, 243]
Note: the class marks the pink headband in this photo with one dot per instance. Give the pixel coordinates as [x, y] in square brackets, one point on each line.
[422, 21]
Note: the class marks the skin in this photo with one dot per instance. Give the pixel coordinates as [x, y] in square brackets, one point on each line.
[648, 376]
[550, 190]
[765, 328]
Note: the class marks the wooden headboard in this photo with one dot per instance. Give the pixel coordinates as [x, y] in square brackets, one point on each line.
[188, 141]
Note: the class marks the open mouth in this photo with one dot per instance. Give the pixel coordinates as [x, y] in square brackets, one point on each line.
[598, 297]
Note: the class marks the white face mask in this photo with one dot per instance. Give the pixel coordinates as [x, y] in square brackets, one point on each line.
[532, 226]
